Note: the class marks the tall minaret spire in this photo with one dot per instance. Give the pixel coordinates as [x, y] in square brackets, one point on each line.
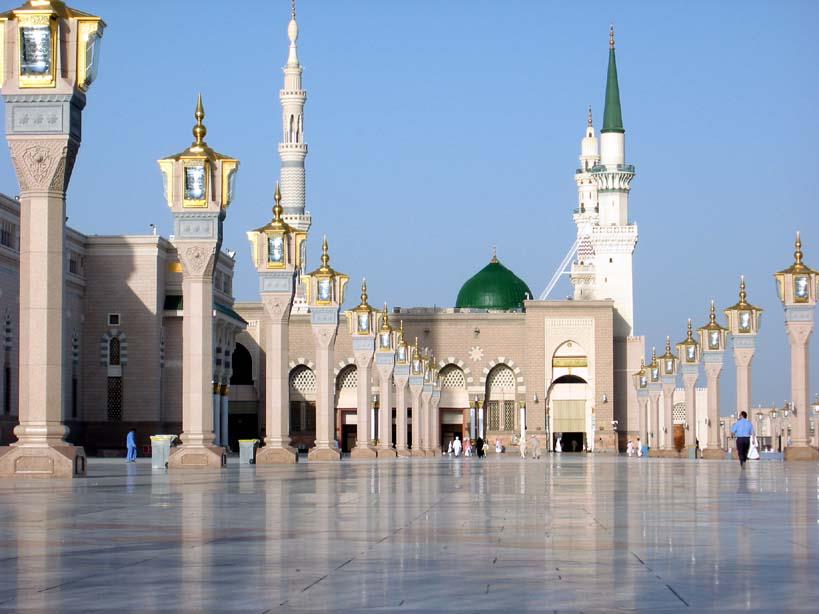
[293, 149]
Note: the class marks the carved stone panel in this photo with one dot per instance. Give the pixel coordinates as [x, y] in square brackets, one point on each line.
[43, 164]
[197, 259]
[277, 307]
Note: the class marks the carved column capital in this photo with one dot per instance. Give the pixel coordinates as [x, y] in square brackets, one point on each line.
[324, 336]
[198, 259]
[277, 306]
[45, 164]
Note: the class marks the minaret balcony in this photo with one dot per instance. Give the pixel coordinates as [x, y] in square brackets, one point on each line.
[293, 147]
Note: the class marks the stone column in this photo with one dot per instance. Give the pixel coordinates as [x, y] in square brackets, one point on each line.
[363, 351]
[198, 260]
[385, 366]
[713, 368]
[642, 419]
[401, 377]
[325, 338]
[799, 324]
[277, 449]
[217, 412]
[689, 375]
[669, 384]
[654, 390]
[435, 422]
[416, 384]
[744, 348]
[425, 420]
[224, 415]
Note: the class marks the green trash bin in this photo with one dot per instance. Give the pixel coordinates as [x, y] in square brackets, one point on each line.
[161, 450]
[247, 451]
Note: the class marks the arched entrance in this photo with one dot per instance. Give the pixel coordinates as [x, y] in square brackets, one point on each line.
[569, 402]
[346, 406]
[678, 419]
[302, 407]
[243, 413]
[454, 403]
[500, 401]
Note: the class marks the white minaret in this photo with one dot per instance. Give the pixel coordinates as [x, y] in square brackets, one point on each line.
[613, 238]
[293, 151]
[585, 216]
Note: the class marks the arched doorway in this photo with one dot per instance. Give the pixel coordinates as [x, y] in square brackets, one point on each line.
[454, 403]
[243, 412]
[346, 406]
[569, 403]
[678, 419]
[500, 401]
[302, 391]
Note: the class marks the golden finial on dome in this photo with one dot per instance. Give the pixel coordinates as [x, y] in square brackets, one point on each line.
[667, 345]
[494, 259]
[690, 336]
[611, 36]
[199, 130]
[385, 320]
[743, 296]
[292, 9]
[277, 208]
[712, 316]
[653, 355]
[590, 117]
[364, 291]
[325, 253]
[797, 255]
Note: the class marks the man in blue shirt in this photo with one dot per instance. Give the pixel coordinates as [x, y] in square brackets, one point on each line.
[743, 430]
[130, 443]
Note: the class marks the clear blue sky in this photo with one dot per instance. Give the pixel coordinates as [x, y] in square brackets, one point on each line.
[437, 129]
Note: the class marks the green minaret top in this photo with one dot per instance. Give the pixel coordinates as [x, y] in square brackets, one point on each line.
[612, 116]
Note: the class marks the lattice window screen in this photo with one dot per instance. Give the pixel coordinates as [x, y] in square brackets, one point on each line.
[678, 413]
[348, 378]
[494, 415]
[452, 378]
[303, 379]
[115, 399]
[509, 415]
[501, 379]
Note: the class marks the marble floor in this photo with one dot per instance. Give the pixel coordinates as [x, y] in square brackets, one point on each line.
[564, 533]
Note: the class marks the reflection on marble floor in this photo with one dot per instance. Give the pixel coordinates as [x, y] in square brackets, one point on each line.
[571, 532]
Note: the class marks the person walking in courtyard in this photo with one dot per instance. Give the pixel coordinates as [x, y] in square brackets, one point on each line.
[449, 449]
[743, 430]
[522, 446]
[559, 444]
[639, 448]
[130, 443]
[467, 446]
[535, 448]
[630, 448]
[479, 447]
[456, 446]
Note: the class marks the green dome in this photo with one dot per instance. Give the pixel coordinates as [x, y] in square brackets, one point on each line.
[494, 287]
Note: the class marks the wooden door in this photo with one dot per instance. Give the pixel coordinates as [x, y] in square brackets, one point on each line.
[679, 436]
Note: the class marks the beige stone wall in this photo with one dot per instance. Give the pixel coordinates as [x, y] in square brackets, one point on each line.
[477, 342]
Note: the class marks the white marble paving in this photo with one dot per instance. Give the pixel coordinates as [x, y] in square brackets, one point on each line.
[564, 533]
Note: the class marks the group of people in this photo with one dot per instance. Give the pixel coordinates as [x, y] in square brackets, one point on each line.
[743, 430]
[533, 442]
[456, 447]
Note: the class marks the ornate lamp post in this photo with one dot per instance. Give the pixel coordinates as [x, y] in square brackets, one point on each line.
[641, 386]
[712, 342]
[743, 324]
[434, 415]
[276, 250]
[325, 293]
[426, 395]
[688, 354]
[796, 288]
[49, 55]
[416, 384]
[362, 328]
[199, 188]
[401, 376]
[655, 387]
[668, 371]
[385, 363]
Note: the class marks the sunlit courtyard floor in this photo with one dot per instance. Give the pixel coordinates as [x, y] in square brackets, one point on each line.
[563, 533]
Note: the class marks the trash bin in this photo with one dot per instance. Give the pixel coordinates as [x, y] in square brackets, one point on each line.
[161, 450]
[247, 451]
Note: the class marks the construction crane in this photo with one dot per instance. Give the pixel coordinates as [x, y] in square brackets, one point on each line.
[565, 266]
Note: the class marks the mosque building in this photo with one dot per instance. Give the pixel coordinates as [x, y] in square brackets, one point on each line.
[291, 369]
